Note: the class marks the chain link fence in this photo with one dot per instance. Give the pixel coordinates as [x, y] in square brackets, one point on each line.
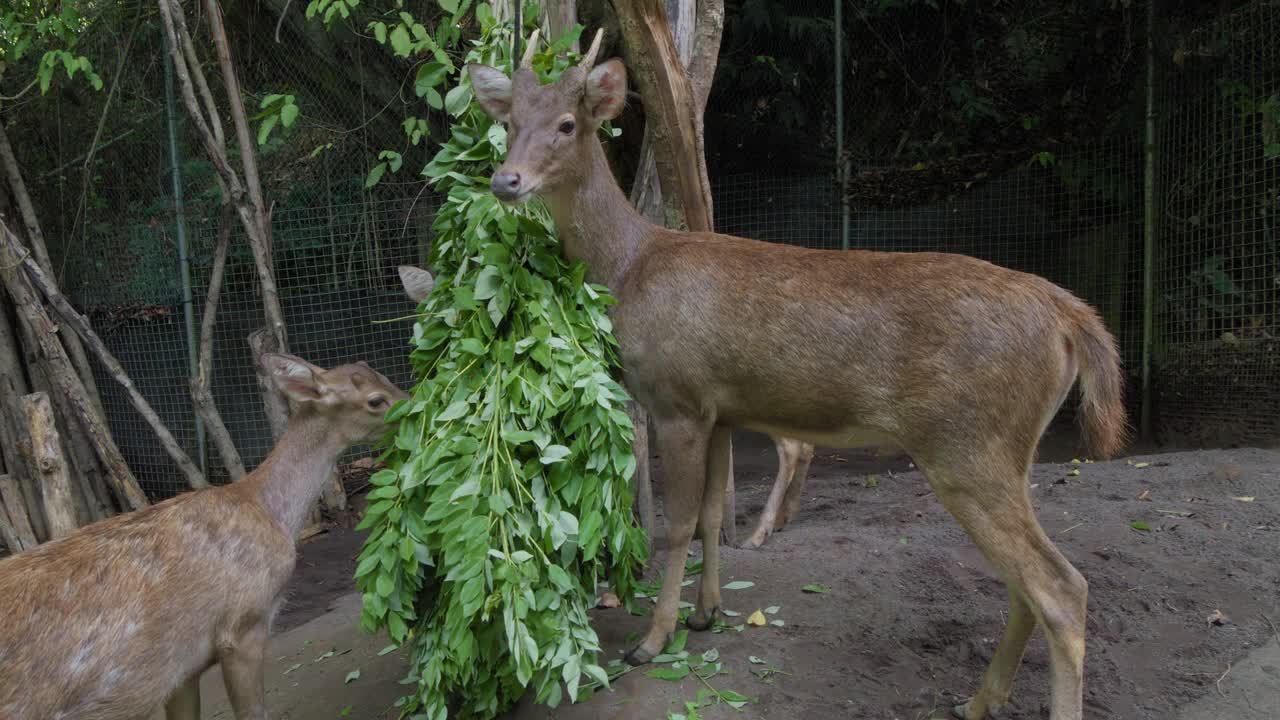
[1070, 210]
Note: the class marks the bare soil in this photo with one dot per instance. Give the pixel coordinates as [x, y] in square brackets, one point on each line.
[914, 612]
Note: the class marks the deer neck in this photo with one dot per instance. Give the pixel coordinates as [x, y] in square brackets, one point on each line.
[597, 224]
[288, 483]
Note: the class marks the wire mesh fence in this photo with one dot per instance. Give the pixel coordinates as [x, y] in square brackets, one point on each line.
[1071, 212]
[1217, 303]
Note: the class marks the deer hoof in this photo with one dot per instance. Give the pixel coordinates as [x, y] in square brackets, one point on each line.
[698, 623]
[756, 540]
[993, 713]
[638, 656]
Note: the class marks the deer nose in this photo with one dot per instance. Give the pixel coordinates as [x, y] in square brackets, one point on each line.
[506, 185]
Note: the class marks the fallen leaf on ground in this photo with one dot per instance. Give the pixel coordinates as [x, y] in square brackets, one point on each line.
[772, 610]
[1074, 472]
[739, 585]
[756, 618]
[352, 676]
[1146, 495]
[872, 481]
[815, 588]
[609, 600]
[1142, 464]
[1140, 526]
[1217, 618]
[1243, 498]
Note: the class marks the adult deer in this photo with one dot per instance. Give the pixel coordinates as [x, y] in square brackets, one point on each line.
[124, 615]
[958, 362]
[793, 455]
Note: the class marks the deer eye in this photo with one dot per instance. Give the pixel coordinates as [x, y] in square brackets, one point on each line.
[567, 126]
[377, 402]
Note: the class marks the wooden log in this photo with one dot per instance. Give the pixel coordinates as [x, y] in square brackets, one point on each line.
[57, 366]
[15, 439]
[81, 325]
[48, 460]
[14, 508]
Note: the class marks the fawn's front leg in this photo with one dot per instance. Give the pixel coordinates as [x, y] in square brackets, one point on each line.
[242, 671]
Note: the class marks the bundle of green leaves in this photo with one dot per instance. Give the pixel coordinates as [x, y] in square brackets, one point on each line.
[506, 499]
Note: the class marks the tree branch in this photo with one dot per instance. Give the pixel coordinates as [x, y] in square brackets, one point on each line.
[200, 384]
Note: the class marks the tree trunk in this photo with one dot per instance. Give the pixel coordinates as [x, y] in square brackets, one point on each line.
[54, 363]
[674, 104]
[16, 441]
[48, 460]
[81, 325]
[561, 16]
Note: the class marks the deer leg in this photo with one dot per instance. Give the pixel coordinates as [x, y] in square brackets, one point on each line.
[719, 458]
[184, 704]
[769, 517]
[683, 445]
[242, 671]
[999, 519]
[791, 506]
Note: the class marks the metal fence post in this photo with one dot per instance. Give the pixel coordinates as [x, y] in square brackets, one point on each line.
[1148, 224]
[842, 168]
[184, 256]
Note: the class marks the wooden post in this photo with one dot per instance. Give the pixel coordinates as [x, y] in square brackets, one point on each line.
[641, 480]
[48, 460]
[13, 508]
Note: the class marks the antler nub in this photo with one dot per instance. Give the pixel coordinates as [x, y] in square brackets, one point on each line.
[589, 60]
[526, 63]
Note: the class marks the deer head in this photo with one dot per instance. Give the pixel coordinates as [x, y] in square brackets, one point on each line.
[353, 398]
[549, 127]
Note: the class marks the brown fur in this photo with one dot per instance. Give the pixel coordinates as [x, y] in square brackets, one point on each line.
[956, 361]
[123, 615]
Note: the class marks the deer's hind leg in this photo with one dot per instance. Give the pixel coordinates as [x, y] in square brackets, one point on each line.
[184, 704]
[771, 517]
[991, 501]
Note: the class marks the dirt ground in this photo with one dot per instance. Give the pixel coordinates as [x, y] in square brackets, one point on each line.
[913, 612]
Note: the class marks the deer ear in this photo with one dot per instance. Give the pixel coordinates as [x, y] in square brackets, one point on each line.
[298, 379]
[493, 90]
[417, 282]
[607, 90]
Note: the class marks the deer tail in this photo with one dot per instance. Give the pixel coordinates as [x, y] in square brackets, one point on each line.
[1103, 423]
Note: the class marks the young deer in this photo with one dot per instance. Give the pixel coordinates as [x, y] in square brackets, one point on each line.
[124, 615]
[793, 455]
[959, 363]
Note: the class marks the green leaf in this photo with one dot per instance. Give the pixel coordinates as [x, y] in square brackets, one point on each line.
[739, 585]
[1140, 526]
[677, 643]
[400, 41]
[457, 99]
[264, 130]
[815, 588]
[674, 674]
[553, 454]
[374, 175]
[288, 114]
[351, 677]
[488, 283]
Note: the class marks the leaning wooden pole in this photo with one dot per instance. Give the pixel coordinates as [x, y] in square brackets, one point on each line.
[81, 325]
[62, 373]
